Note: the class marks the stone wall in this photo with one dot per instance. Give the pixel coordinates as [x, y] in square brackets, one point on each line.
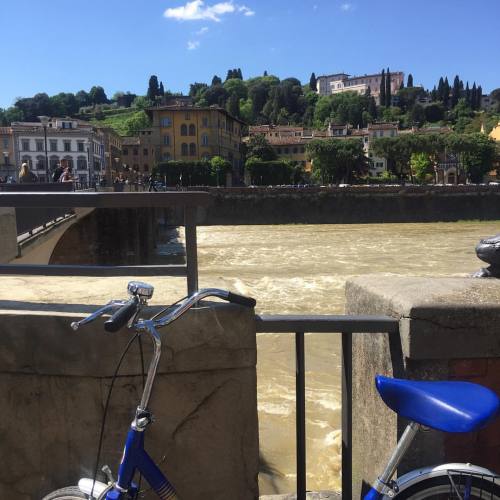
[449, 329]
[54, 382]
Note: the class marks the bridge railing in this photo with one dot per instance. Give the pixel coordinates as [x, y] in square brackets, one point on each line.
[346, 325]
[40, 201]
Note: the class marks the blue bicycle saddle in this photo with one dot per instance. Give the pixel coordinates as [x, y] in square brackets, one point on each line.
[447, 406]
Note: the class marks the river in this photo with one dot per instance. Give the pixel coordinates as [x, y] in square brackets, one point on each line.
[302, 269]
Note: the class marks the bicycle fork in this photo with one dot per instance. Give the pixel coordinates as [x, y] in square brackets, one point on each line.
[384, 483]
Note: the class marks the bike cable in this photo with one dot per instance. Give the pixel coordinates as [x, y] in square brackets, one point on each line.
[103, 422]
[143, 375]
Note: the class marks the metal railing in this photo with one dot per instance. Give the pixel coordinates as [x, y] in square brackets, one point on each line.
[346, 325]
[46, 200]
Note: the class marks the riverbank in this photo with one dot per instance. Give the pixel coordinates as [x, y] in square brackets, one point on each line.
[352, 204]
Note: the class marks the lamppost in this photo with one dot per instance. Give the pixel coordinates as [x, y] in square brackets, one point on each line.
[117, 162]
[44, 120]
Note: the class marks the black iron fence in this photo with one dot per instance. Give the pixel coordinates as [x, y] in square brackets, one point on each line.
[346, 325]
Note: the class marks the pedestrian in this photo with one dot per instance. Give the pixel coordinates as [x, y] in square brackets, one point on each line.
[66, 175]
[57, 173]
[151, 181]
[26, 176]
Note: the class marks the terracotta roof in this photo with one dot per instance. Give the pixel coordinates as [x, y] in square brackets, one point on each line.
[382, 126]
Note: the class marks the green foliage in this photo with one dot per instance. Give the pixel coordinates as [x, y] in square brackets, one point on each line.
[421, 166]
[312, 82]
[219, 167]
[9, 115]
[153, 88]
[125, 122]
[237, 87]
[434, 112]
[258, 147]
[336, 160]
[97, 95]
[191, 173]
[265, 173]
[142, 102]
[409, 82]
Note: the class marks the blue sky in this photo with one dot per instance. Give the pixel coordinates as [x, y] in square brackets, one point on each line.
[63, 46]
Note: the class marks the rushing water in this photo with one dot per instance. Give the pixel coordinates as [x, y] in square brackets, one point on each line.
[302, 269]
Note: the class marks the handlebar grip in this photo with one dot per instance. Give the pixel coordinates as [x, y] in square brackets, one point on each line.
[241, 300]
[121, 317]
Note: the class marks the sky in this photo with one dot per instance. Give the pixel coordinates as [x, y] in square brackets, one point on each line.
[57, 46]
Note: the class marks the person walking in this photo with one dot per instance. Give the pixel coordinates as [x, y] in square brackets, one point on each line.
[151, 181]
[57, 173]
[26, 176]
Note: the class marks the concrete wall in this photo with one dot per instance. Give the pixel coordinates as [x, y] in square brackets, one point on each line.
[54, 382]
[8, 246]
[449, 329]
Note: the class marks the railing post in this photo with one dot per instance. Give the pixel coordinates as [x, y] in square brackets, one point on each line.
[191, 249]
[300, 401]
[346, 415]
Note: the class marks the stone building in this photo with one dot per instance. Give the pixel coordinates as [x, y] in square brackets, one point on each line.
[185, 132]
[7, 161]
[69, 141]
[138, 154]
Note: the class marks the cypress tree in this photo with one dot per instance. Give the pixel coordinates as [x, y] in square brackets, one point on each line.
[313, 82]
[467, 94]
[229, 74]
[446, 92]
[372, 107]
[382, 89]
[409, 83]
[473, 96]
[265, 72]
[233, 106]
[153, 89]
[402, 86]
[240, 74]
[455, 92]
[479, 97]
[216, 80]
[162, 89]
[434, 94]
[388, 90]
[440, 91]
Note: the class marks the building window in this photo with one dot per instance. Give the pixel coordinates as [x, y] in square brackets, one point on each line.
[80, 147]
[136, 151]
[204, 140]
[145, 152]
[295, 151]
[302, 149]
[39, 145]
[125, 151]
[192, 149]
[5, 143]
[285, 151]
[192, 130]
[25, 145]
[81, 163]
[53, 145]
[204, 121]
[166, 157]
[67, 145]
[184, 129]
[165, 122]
[146, 167]
[166, 140]
[278, 150]
[40, 163]
[184, 149]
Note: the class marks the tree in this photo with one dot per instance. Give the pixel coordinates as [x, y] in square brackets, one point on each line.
[9, 115]
[312, 82]
[372, 107]
[236, 86]
[434, 112]
[196, 89]
[141, 102]
[219, 167]
[455, 92]
[216, 80]
[233, 105]
[97, 95]
[138, 121]
[239, 74]
[409, 82]
[216, 95]
[265, 73]
[153, 88]
[266, 173]
[161, 91]
[467, 94]
[388, 90]
[479, 97]
[230, 74]
[336, 160]
[382, 88]
[258, 147]
[446, 92]
[82, 98]
[421, 166]
[473, 96]
[417, 115]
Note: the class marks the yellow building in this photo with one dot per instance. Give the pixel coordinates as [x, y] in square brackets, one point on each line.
[188, 133]
[495, 133]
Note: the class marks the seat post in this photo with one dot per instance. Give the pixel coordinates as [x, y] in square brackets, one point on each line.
[398, 454]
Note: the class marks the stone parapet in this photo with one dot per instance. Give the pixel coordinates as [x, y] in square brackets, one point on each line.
[8, 232]
[54, 384]
[449, 329]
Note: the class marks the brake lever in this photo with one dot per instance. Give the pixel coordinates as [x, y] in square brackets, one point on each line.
[109, 307]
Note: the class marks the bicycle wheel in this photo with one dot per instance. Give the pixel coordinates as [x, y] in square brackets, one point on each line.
[453, 486]
[68, 493]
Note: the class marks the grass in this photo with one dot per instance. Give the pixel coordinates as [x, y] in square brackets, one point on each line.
[117, 120]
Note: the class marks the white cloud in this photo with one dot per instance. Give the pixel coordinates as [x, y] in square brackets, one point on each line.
[196, 10]
[202, 31]
[193, 44]
[346, 7]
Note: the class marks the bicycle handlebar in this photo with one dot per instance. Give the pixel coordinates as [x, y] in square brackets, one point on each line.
[121, 317]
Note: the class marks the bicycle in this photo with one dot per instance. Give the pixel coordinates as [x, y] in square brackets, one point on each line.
[135, 459]
[446, 406]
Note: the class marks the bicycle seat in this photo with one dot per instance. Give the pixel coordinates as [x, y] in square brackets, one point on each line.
[446, 406]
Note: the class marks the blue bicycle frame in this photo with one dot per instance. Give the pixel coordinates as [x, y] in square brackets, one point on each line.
[135, 458]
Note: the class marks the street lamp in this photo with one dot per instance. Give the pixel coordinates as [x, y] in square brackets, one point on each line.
[6, 161]
[44, 120]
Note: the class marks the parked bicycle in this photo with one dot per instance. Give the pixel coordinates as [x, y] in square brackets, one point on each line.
[449, 407]
[135, 459]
